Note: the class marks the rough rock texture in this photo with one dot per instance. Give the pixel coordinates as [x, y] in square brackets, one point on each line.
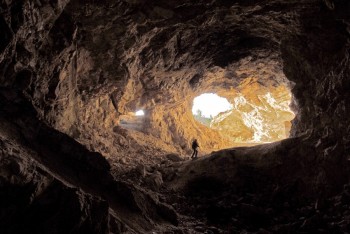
[252, 190]
[259, 114]
[107, 59]
[59, 182]
[71, 70]
[33, 201]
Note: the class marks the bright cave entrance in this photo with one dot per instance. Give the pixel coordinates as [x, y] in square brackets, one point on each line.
[207, 106]
[247, 117]
[139, 113]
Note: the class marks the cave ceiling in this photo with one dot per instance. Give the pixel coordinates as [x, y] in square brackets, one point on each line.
[83, 64]
[164, 51]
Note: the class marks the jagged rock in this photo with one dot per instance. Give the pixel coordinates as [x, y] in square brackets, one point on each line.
[253, 214]
[312, 223]
[174, 157]
[141, 170]
[33, 201]
[155, 180]
[73, 166]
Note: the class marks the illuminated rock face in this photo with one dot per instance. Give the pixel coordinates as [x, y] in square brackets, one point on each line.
[260, 114]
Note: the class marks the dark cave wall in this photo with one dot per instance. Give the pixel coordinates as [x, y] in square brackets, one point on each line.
[41, 49]
[42, 57]
[317, 59]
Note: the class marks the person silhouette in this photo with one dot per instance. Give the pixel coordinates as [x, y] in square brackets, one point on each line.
[195, 145]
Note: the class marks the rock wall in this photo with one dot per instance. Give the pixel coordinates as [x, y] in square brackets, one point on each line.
[57, 181]
[259, 114]
[34, 201]
[317, 60]
[84, 64]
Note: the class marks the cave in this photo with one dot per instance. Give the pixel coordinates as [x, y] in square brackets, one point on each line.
[76, 155]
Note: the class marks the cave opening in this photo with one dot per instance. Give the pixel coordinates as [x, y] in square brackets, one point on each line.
[139, 113]
[250, 114]
[207, 106]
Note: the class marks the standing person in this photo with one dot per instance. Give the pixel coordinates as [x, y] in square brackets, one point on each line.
[194, 147]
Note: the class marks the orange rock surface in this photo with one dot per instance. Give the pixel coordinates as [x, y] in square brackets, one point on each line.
[260, 114]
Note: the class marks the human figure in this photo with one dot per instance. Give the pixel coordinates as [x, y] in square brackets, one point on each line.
[194, 147]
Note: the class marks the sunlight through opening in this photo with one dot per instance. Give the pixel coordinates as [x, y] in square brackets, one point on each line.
[209, 105]
[140, 113]
[253, 115]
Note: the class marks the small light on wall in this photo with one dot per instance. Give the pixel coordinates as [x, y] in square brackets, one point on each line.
[140, 113]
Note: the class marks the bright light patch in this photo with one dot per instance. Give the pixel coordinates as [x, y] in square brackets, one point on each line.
[210, 104]
[139, 113]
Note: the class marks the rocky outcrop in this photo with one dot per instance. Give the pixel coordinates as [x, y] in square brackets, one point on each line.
[320, 79]
[34, 201]
[45, 167]
[251, 189]
[259, 114]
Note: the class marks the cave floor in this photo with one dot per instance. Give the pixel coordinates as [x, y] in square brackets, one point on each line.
[241, 190]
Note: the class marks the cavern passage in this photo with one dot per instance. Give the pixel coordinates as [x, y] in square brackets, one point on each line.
[75, 158]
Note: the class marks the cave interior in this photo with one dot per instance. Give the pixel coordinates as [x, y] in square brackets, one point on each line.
[76, 156]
